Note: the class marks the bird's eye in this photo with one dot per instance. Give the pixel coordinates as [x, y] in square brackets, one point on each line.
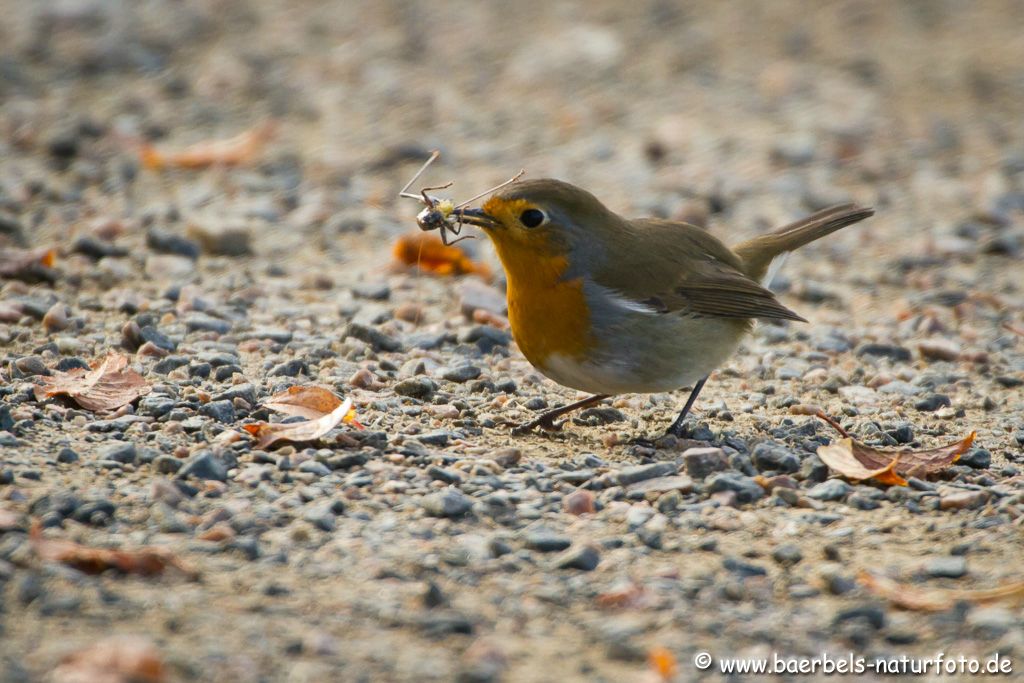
[531, 218]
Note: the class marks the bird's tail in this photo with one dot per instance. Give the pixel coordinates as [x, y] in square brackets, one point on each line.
[758, 253]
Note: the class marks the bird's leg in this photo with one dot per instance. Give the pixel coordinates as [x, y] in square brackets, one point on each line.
[547, 419]
[677, 427]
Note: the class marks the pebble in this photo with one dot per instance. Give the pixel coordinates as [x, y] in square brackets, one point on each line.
[771, 456]
[221, 239]
[461, 373]
[579, 502]
[545, 541]
[978, 458]
[583, 557]
[202, 322]
[204, 465]
[962, 500]
[948, 567]
[832, 489]
[448, 503]
[167, 242]
[415, 387]
[932, 402]
[939, 349]
[375, 338]
[118, 452]
[632, 475]
[56, 319]
[787, 555]
[890, 351]
[747, 490]
[221, 411]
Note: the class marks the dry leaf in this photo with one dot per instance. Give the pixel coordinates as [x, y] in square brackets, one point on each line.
[310, 430]
[310, 402]
[428, 252]
[108, 386]
[934, 599]
[240, 149]
[118, 659]
[142, 561]
[857, 461]
[28, 265]
[663, 662]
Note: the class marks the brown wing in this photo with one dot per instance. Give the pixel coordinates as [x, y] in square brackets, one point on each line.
[683, 269]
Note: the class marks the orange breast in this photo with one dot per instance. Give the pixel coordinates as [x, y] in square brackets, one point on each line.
[548, 315]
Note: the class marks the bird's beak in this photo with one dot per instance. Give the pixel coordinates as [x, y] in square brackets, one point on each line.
[477, 217]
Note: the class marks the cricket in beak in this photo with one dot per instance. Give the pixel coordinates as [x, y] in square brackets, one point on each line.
[444, 214]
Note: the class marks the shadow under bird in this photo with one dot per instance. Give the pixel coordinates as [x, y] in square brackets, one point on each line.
[609, 305]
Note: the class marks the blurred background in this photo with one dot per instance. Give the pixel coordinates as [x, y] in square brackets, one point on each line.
[734, 113]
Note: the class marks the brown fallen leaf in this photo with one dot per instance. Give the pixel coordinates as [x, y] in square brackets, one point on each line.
[857, 461]
[311, 402]
[241, 149]
[141, 561]
[28, 265]
[310, 430]
[117, 659]
[426, 251]
[108, 386]
[935, 599]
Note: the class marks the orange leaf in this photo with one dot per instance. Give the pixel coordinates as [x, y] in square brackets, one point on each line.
[310, 402]
[142, 561]
[108, 386]
[663, 662]
[858, 461]
[934, 599]
[117, 659]
[428, 252]
[240, 149]
[310, 430]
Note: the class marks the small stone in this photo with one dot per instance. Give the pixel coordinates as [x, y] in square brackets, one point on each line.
[441, 474]
[167, 464]
[546, 541]
[291, 368]
[118, 452]
[156, 405]
[939, 349]
[167, 242]
[962, 500]
[771, 456]
[204, 465]
[475, 295]
[221, 239]
[375, 338]
[978, 458]
[31, 365]
[932, 403]
[701, 462]
[461, 373]
[743, 568]
[201, 322]
[787, 555]
[891, 351]
[315, 467]
[832, 489]
[579, 502]
[747, 490]
[321, 516]
[448, 503]
[507, 457]
[56, 319]
[584, 557]
[632, 475]
[947, 567]
[67, 455]
[222, 411]
[415, 387]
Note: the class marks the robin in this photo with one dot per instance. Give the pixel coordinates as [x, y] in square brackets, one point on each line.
[609, 305]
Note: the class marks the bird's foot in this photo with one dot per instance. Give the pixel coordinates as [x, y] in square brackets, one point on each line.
[545, 422]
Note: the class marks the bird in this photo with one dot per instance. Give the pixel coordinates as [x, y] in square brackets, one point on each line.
[608, 305]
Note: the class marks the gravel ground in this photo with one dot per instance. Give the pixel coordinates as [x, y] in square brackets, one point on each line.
[434, 546]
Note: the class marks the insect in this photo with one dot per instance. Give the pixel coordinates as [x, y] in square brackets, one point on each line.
[439, 213]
